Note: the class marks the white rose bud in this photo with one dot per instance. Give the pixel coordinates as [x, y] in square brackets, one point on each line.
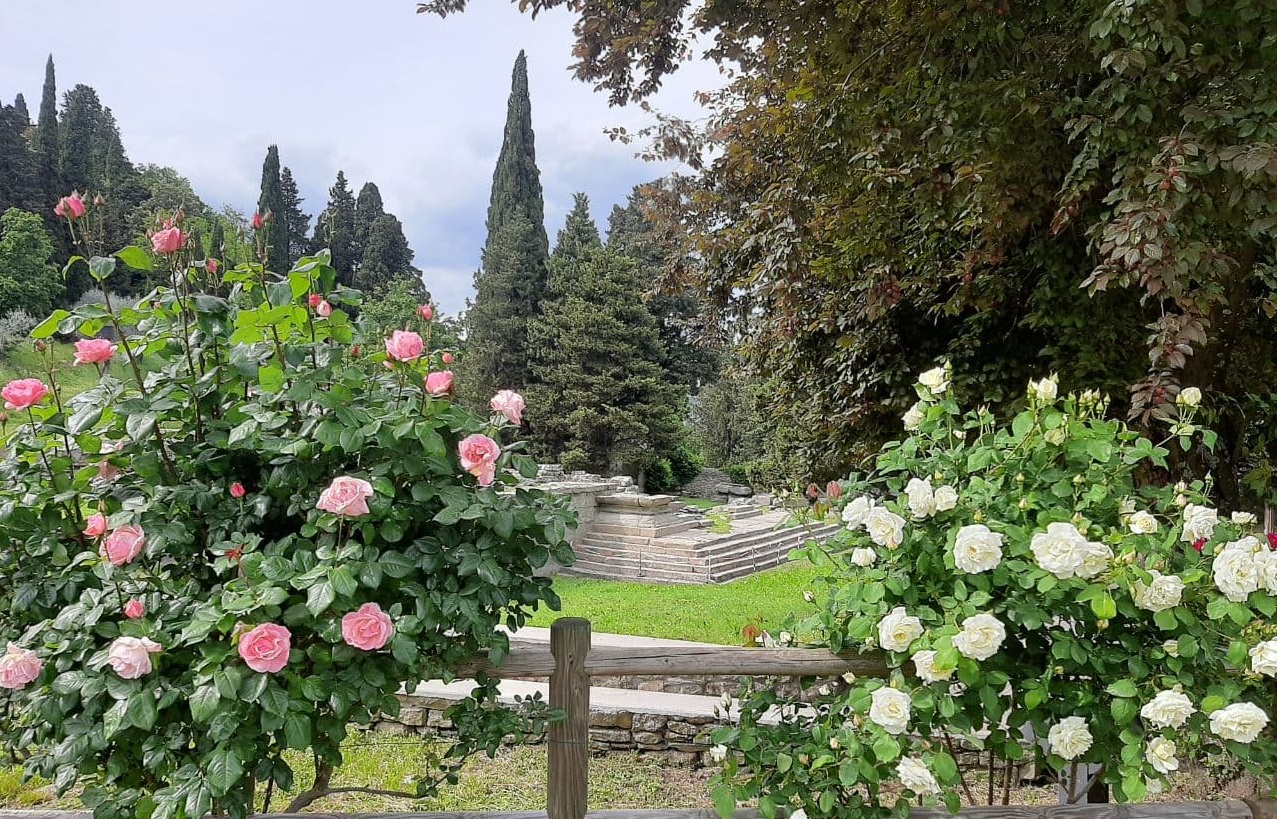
[1239, 722]
[1189, 397]
[915, 776]
[1163, 592]
[1045, 390]
[914, 416]
[946, 498]
[1171, 647]
[718, 753]
[1242, 518]
[1070, 737]
[855, 512]
[936, 380]
[921, 498]
[924, 662]
[863, 557]
[809, 596]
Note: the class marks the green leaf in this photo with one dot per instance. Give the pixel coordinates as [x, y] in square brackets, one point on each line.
[84, 418]
[139, 426]
[886, 748]
[101, 268]
[204, 703]
[297, 731]
[1123, 688]
[320, 597]
[223, 770]
[724, 800]
[49, 326]
[135, 257]
[783, 762]
[343, 582]
[141, 710]
[1104, 606]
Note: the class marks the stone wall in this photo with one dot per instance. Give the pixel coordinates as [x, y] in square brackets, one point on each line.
[583, 489]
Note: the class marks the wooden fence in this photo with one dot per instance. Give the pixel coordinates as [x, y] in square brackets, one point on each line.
[570, 661]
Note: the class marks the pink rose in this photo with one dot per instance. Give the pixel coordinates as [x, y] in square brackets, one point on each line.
[313, 300]
[75, 203]
[23, 393]
[404, 345]
[134, 609]
[439, 384]
[61, 209]
[169, 240]
[479, 455]
[211, 266]
[346, 496]
[123, 545]
[131, 656]
[324, 309]
[95, 526]
[266, 647]
[237, 490]
[19, 667]
[426, 312]
[94, 351]
[447, 358]
[369, 628]
[510, 404]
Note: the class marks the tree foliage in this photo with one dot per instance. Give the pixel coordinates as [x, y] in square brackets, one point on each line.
[335, 229]
[28, 279]
[271, 201]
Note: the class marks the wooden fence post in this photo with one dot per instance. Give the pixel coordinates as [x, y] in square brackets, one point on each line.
[569, 740]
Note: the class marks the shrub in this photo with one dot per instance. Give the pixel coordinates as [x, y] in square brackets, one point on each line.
[14, 327]
[1024, 577]
[737, 473]
[659, 477]
[255, 542]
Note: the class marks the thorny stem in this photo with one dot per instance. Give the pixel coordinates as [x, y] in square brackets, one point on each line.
[962, 779]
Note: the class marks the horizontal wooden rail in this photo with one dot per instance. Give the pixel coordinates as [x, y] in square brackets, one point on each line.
[1224, 809]
[535, 660]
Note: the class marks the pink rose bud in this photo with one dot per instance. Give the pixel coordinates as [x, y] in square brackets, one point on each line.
[834, 490]
[426, 312]
[23, 393]
[479, 455]
[510, 404]
[108, 471]
[19, 667]
[134, 609]
[257, 222]
[439, 383]
[266, 648]
[237, 490]
[99, 200]
[75, 203]
[95, 526]
[94, 351]
[404, 346]
[324, 309]
[61, 209]
[269, 216]
[123, 545]
[368, 628]
[355, 351]
[131, 656]
[314, 300]
[446, 358]
[211, 266]
[169, 240]
[346, 496]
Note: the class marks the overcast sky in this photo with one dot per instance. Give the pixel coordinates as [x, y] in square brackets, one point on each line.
[411, 102]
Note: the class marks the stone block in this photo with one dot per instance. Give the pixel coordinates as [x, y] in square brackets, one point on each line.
[394, 729]
[648, 722]
[412, 715]
[649, 739]
[613, 736]
[615, 719]
[436, 719]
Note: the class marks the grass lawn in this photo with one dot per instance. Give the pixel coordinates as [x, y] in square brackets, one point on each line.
[700, 503]
[707, 614]
[22, 361]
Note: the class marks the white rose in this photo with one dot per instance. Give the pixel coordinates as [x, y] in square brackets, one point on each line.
[1142, 523]
[914, 416]
[1266, 568]
[1171, 647]
[946, 498]
[898, 630]
[885, 527]
[1169, 709]
[1239, 722]
[981, 636]
[718, 753]
[935, 380]
[1189, 397]
[922, 500]
[1199, 522]
[1045, 390]
[977, 549]
[1242, 518]
[863, 557]
[1070, 737]
[890, 709]
[924, 662]
[1095, 559]
[915, 776]
[1161, 755]
[1236, 571]
[854, 513]
[1060, 550]
[798, 814]
[1162, 593]
[1263, 658]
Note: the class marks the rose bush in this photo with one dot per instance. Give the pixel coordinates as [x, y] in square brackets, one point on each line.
[250, 544]
[1070, 600]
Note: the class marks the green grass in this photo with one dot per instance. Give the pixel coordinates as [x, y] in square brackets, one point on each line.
[22, 361]
[707, 614]
[700, 503]
[514, 780]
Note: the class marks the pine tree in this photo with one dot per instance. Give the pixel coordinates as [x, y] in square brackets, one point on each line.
[603, 401]
[19, 183]
[217, 241]
[386, 258]
[20, 106]
[81, 162]
[298, 221]
[511, 284]
[335, 229]
[272, 202]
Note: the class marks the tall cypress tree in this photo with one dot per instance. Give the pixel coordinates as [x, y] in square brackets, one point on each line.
[368, 209]
[511, 284]
[217, 241]
[272, 201]
[297, 219]
[48, 157]
[335, 229]
[386, 258]
[82, 160]
[20, 106]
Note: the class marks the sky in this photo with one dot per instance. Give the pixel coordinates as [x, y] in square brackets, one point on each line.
[411, 102]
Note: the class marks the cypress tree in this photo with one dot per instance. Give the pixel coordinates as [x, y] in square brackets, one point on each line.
[83, 156]
[298, 221]
[386, 258]
[272, 201]
[335, 229]
[511, 283]
[19, 184]
[48, 156]
[217, 241]
[20, 106]
[368, 209]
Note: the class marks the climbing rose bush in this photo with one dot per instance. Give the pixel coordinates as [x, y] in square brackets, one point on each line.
[1041, 588]
[246, 537]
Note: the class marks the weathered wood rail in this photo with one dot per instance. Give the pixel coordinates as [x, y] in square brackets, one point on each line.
[570, 661]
